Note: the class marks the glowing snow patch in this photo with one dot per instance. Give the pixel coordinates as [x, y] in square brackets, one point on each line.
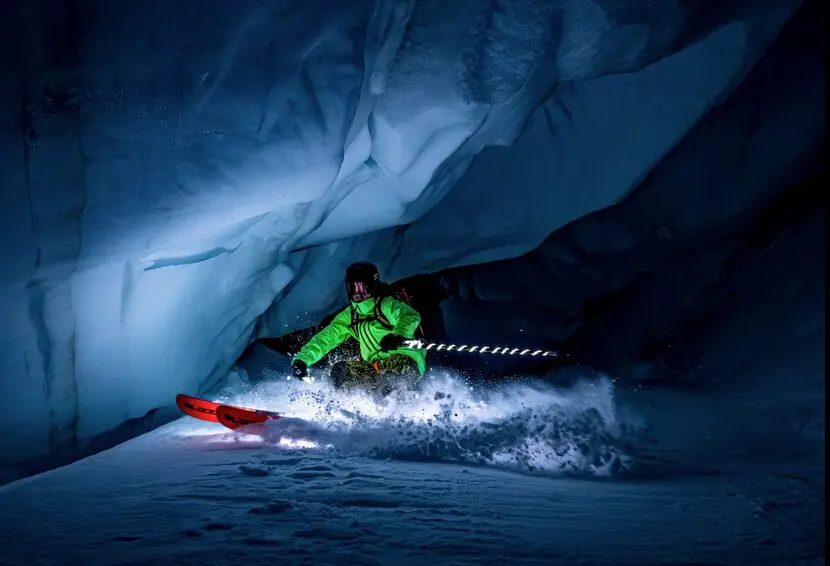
[296, 443]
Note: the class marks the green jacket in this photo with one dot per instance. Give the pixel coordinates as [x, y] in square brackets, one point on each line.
[368, 333]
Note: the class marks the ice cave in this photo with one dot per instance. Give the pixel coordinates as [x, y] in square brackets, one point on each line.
[635, 188]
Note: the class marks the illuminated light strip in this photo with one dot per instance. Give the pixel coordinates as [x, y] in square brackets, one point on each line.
[420, 345]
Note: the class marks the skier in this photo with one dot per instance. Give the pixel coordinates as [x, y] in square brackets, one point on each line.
[380, 323]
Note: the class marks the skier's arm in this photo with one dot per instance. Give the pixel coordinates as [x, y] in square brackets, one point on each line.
[326, 340]
[403, 318]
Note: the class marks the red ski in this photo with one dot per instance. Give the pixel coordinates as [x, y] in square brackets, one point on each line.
[236, 417]
[205, 410]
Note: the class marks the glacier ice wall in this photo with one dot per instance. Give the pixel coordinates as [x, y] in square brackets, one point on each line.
[591, 140]
[624, 283]
[172, 172]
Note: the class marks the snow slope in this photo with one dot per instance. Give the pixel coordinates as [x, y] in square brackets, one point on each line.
[407, 485]
[525, 472]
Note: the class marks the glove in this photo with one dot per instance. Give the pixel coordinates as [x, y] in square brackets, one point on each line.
[299, 368]
[391, 342]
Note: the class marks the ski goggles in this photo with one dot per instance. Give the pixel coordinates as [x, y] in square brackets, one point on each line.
[359, 291]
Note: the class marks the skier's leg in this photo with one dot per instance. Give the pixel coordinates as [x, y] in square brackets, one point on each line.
[398, 372]
[353, 373]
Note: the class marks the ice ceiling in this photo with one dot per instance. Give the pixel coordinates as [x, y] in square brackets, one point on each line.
[182, 177]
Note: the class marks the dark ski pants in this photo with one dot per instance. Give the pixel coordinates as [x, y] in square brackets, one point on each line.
[395, 372]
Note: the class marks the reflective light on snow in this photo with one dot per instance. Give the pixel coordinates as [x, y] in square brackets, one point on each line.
[215, 433]
[296, 443]
[530, 426]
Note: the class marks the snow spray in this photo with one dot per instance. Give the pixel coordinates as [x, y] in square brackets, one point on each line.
[530, 426]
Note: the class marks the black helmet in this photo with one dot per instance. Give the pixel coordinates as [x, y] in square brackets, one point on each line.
[362, 281]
